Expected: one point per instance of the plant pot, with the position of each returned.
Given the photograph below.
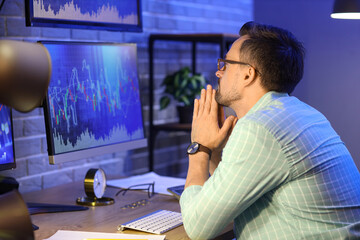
(185, 113)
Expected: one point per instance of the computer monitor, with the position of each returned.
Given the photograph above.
(7, 161)
(93, 103)
(7, 152)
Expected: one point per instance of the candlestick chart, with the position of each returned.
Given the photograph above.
(124, 11)
(6, 140)
(93, 97)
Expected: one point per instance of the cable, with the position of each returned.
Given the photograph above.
(1, 5)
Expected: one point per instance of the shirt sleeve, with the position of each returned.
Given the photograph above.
(252, 164)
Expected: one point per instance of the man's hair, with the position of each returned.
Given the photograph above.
(275, 53)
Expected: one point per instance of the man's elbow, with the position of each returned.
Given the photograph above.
(194, 231)
(195, 235)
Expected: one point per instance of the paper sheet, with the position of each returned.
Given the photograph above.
(78, 235)
(161, 182)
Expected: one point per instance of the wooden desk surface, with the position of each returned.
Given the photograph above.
(101, 218)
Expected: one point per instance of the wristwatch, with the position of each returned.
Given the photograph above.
(195, 147)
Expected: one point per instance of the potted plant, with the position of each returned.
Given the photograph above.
(183, 87)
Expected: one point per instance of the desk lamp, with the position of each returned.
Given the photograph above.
(25, 70)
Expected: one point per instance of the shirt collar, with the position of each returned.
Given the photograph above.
(266, 99)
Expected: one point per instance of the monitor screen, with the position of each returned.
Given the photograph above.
(93, 104)
(7, 153)
(124, 15)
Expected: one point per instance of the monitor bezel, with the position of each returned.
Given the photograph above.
(93, 151)
(8, 166)
(33, 21)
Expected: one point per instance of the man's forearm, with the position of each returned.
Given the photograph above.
(214, 161)
(198, 171)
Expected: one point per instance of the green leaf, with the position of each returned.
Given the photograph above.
(185, 100)
(200, 79)
(183, 83)
(194, 83)
(164, 102)
(177, 81)
(203, 81)
(177, 93)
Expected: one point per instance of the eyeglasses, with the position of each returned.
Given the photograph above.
(221, 64)
(150, 189)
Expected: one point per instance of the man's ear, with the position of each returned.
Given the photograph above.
(250, 76)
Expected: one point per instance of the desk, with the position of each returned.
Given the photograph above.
(102, 218)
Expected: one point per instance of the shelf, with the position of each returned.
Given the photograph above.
(173, 127)
(223, 40)
(204, 38)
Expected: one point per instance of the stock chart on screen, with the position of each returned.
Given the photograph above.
(115, 11)
(93, 97)
(6, 138)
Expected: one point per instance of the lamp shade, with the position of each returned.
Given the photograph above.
(25, 70)
(346, 9)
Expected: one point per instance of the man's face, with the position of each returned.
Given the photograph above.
(229, 85)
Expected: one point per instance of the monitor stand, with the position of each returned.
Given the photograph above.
(36, 208)
(8, 183)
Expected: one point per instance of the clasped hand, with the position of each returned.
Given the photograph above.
(205, 123)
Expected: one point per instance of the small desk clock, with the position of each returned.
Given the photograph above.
(95, 185)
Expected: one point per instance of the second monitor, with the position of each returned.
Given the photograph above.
(93, 103)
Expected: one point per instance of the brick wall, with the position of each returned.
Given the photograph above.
(159, 16)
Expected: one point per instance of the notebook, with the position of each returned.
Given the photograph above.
(176, 191)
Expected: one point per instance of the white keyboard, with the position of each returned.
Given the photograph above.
(156, 222)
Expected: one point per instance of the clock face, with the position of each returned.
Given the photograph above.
(99, 183)
(95, 183)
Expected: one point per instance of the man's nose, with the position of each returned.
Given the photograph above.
(219, 73)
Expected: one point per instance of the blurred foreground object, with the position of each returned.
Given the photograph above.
(15, 223)
(25, 70)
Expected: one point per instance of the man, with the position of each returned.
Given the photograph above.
(278, 170)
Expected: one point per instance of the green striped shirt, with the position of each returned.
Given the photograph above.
(284, 174)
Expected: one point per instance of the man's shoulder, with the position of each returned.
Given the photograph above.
(280, 111)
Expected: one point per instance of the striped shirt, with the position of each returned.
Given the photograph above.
(284, 174)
